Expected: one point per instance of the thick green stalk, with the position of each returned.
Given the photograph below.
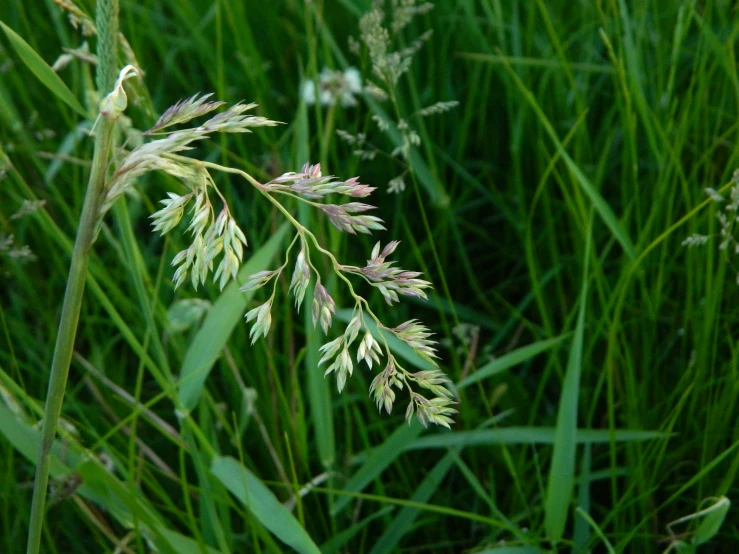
(107, 26)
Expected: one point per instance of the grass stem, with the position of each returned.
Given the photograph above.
(63, 350)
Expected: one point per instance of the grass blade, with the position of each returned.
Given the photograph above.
(713, 520)
(335, 543)
(583, 514)
(261, 502)
(599, 204)
(99, 485)
(380, 458)
(513, 550)
(42, 71)
(406, 518)
(511, 359)
(562, 471)
(528, 435)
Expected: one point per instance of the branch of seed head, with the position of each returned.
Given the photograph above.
(323, 305)
(727, 218)
(262, 313)
(211, 234)
(223, 235)
(390, 281)
(405, 11)
(311, 184)
(389, 66)
(157, 154)
(437, 410)
(415, 335)
(411, 332)
(364, 149)
(326, 306)
(437, 108)
(378, 273)
(393, 374)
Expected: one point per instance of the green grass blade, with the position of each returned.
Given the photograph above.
(599, 204)
(261, 502)
(528, 435)
(584, 515)
(220, 322)
(25, 440)
(319, 392)
(335, 543)
(42, 71)
(513, 550)
(183, 544)
(522, 61)
(562, 471)
(712, 522)
(380, 458)
(404, 521)
(99, 485)
(581, 531)
(511, 359)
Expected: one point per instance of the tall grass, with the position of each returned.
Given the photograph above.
(598, 387)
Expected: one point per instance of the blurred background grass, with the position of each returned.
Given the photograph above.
(568, 112)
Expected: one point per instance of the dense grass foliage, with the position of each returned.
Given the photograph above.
(595, 358)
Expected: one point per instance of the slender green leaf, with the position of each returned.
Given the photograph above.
(335, 543)
(581, 532)
(713, 519)
(512, 550)
(586, 517)
(600, 205)
(562, 470)
(511, 359)
(42, 71)
(527, 435)
(261, 502)
(379, 460)
(521, 61)
(405, 519)
(25, 439)
(182, 544)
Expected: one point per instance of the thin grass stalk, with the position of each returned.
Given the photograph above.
(107, 26)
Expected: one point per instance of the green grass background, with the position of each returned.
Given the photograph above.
(549, 211)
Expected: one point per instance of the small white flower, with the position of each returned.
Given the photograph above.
(333, 87)
(308, 92)
(396, 185)
(353, 80)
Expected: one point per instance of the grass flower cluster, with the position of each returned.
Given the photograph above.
(379, 30)
(215, 235)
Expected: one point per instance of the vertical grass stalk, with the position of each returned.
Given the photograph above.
(107, 27)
